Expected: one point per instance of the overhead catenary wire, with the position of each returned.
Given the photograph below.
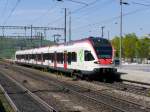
(137, 3)
(111, 19)
(4, 10)
(91, 3)
(11, 12)
(146, 1)
(50, 10)
(106, 3)
(77, 10)
(117, 17)
(73, 12)
(79, 2)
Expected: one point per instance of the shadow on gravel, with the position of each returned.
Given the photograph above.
(1, 107)
(109, 78)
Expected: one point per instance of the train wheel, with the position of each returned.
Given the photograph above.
(75, 75)
(87, 78)
(74, 78)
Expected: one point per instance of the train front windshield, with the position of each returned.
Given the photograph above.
(102, 47)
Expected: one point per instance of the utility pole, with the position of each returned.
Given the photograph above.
(65, 40)
(25, 31)
(79, 2)
(41, 34)
(25, 34)
(54, 39)
(31, 33)
(3, 31)
(31, 37)
(108, 34)
(121, 17)
(121, 32)
(70, 27)
(45, 34)
(102, 31)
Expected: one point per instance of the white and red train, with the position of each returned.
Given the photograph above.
(87, 57)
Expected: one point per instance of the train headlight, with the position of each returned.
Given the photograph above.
(96, 62)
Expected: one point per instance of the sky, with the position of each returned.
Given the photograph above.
(87, 20)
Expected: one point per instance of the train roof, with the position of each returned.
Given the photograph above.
(64, 44)
(81, 40)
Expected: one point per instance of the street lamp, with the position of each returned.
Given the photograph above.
(121, 14)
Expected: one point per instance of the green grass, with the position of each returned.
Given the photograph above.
(4, 104)
(8, 46)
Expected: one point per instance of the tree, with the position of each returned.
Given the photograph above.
(133, 47)
(129, 46)
(116, 43)
(144, 47)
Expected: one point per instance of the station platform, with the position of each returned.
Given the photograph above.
(134, 75)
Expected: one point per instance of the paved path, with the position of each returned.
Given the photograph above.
(135, 75)
(139, 67)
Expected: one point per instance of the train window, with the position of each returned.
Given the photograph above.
(74, 57)
(27, 56)
(46, 56)
(49, 56)
(88, 56)
(22, 56)
(30, 56)
(58, 58)
(52, 57)
(34, 56)
(17, 56)
(69, 58)
(61, 58)
(102, 47)
(42, 57)
(39, 57)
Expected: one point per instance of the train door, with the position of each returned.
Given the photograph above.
(80, 62)
(88, 60)
(42, 59)
(36, 58)
(28, 58)
(65, 60)
(55, 59)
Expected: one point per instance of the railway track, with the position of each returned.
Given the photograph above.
(113, 103)
(139, 90)
(21, 97)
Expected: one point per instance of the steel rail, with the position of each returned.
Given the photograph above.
(63, 86)
(9, 99)
(35, 97)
